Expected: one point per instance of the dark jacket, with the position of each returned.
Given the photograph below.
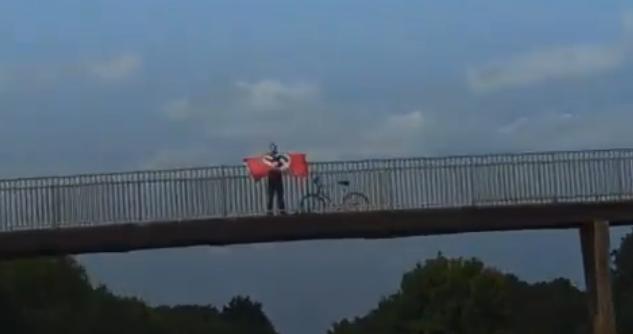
(277, 161)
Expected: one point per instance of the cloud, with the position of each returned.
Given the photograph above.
(536, 123)
(386, 135)
(260, 109)
(4, 80)
(627, 22)
(178, 109)
(563, 130)
(266, 110)
(403, 122)
(177, 158)
(555, 63)
(273, 94)
(116, 68)
(324, 128)
(32, 77)
(244, 104)
(547, 64)
(513, 126)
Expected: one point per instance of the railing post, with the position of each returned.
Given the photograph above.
(224, 188)
(386, 192)
(139, 204)
(620, 170)
(471, 177)
(56, 206)
(393, 184)
(386, 176)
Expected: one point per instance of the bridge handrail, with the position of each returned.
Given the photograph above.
(405, 183)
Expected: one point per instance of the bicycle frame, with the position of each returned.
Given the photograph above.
(322, 190)
(323, 194)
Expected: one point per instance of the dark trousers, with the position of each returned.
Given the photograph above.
(276, 188)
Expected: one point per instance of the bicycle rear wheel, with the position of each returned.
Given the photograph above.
(355, 201)
(313, 204)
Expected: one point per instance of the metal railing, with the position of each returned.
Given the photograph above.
(394, 184)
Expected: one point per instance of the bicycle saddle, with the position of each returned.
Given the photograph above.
(344, 183)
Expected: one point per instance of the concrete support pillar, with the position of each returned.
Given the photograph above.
(594, 239)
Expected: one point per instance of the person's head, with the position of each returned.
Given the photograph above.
(273, 148)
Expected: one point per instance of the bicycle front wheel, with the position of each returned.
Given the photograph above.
(355, 202)
(313, 204)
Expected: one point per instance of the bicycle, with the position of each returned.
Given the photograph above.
(319, 200)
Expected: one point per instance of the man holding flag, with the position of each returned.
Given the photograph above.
(277, 163)
(272, 165)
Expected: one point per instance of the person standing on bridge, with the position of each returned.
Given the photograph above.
(278, 163)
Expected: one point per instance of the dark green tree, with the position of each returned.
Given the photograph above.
(547, 307)
(247, 316)
(445, 296)
(623, 284)
(55, 296)
(463, 296)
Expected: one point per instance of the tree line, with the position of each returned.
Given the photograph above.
(440, 296)
(54, 296)
(463, 296)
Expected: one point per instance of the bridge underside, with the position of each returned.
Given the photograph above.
(365, 225)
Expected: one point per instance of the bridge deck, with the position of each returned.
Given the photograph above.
(365, 225)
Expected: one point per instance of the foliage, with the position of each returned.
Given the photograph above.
(55, 296)
(460, 296)
(623, 284)
(441, 296)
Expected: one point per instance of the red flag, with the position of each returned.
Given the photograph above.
(298, 164)
(257, 167)
(295, 163)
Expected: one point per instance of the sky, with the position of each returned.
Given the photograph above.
(92, 86)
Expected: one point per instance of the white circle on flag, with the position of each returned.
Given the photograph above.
(285, 162)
